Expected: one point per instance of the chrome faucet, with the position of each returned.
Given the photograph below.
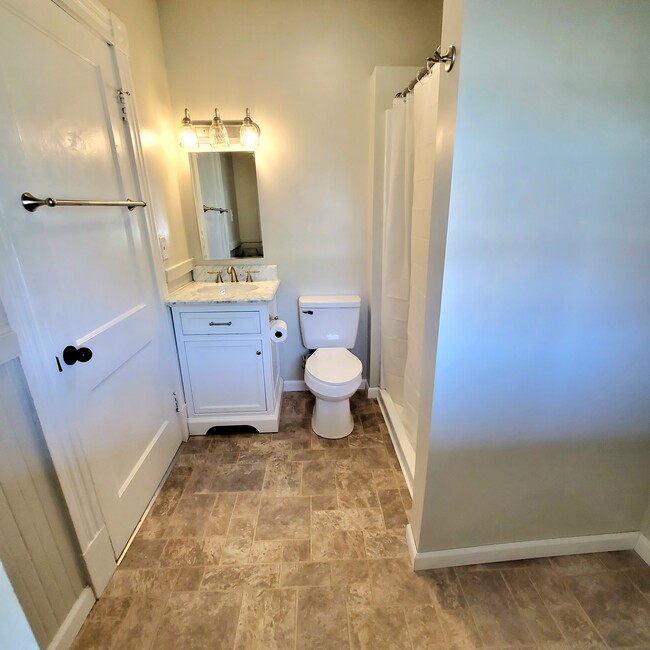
(233, 274)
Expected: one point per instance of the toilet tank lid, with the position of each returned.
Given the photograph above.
(328, 302)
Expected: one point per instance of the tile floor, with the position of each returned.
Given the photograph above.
(289, 541)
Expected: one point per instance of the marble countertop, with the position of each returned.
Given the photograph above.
(202, 293)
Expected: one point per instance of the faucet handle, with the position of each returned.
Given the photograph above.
(249, 275)
(219, 278)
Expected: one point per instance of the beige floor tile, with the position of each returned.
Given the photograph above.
(284, 518)
(143, 553)
(620, 560)
(498, 619)
(282, 479)
(563, 606)
(392, 508)
(348, 519)
(198, 621)
(318, 477)
(570, 565)
(641, 578)
(239, 477)
(180, 552)
(305, 574)
(328, 502)
(355, 487)
(238, 542)
(424, 627)
(139, 627)
(267, 620)
(378, 627)
(322, 620)
(537, 617)
(349, 571)
(236, 577)
(337, 545)
(618, 610)
(265, 552)
(390, 543)
(393, 581)
(326, 506)
(298, 550)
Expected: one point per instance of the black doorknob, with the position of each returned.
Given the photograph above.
(71, 355)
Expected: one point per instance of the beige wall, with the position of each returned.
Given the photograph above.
(157, 122)
(539, 418)
(304, 69)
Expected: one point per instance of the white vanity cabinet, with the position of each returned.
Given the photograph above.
(229, 365)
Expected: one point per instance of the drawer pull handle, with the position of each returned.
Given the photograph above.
(228, 324)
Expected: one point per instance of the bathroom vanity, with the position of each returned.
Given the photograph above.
(229, 364)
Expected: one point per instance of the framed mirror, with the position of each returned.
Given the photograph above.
(227, 204)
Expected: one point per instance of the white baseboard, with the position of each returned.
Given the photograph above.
(373, 393)
(643, 548)
(73, 621)
(518, 550)
(291, 385)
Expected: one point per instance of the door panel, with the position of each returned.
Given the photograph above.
(87, 271)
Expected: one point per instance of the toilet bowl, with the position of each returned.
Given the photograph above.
(333, 375)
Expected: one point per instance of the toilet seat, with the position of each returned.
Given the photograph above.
(333, 372)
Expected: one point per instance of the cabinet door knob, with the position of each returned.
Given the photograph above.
(258, 353)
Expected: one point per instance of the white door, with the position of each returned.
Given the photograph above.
(87, 271)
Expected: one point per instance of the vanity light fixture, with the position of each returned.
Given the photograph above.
(219, 133)
(249, 133)
(187, 135)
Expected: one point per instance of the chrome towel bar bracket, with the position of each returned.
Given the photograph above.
(31, 203)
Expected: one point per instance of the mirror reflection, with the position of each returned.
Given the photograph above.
(227, 205)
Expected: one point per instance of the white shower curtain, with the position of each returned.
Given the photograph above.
(396, 260)
(407, 218)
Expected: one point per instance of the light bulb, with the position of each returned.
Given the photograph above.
(218, 133)
(249, 133)
(187, 133)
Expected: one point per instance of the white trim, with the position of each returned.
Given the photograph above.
(9, 347)
(643, 548)
(401, 443)
(91, 13)
(373, 393)
(73, 621)
(517, 550)
(177, 271)
(291, 385)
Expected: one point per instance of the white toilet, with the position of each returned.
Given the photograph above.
(329, 326)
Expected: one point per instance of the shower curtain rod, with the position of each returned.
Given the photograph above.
(449, 58)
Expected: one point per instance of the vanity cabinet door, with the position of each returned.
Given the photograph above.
(226, 376)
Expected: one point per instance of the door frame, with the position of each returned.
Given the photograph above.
(62, 439)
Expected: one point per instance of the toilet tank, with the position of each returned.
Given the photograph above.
(329, 321)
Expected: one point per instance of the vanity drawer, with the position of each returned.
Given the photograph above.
(220, 322)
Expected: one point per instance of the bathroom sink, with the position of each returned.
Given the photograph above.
(235, 289)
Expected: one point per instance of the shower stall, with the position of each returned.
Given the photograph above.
(409, 162)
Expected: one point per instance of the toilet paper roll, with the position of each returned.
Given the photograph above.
(278, 330)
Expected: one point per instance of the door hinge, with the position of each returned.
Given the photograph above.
(176, 403)
(121, 95)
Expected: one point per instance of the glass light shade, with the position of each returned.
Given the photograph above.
(218, 133)
(249, 133)
(187, 134)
